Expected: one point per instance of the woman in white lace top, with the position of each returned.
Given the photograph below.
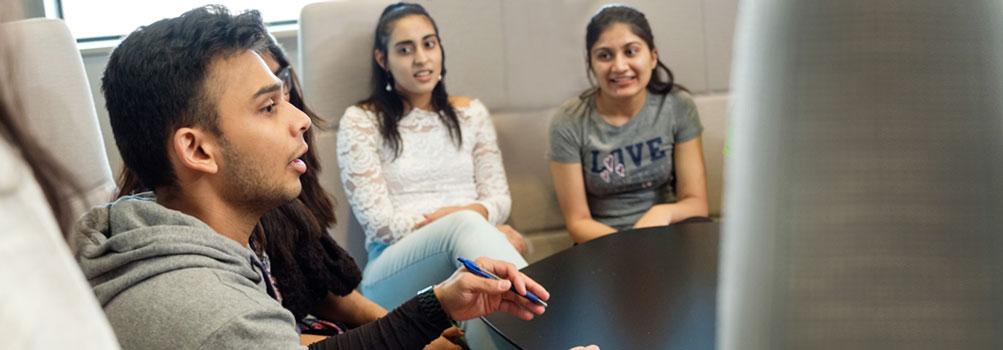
(422, 170)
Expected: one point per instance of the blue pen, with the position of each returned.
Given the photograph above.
(472, 266)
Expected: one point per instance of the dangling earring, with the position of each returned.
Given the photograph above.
(440, 76)
(389, 88)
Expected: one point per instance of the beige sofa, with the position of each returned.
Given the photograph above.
(522, 58)
(57, 106)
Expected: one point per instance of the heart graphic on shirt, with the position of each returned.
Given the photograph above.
(611, 166)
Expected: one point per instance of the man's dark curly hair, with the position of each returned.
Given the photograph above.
(157, 81)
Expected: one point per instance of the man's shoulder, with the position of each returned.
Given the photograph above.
(198, 291)
(196, 285)
(197, 302)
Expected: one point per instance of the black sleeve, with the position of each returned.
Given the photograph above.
(306, 268)
(409, 326)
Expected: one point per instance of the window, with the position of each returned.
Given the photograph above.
(93, 20)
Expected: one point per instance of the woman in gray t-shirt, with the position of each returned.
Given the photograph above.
(626, 154)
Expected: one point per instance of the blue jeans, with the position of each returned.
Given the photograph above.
(427, 256)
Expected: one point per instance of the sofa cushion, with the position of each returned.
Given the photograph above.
(522, 137)
(713, 111)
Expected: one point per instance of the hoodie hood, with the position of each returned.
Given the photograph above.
(133, 239)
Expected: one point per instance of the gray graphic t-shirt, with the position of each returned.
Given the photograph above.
(627, 168)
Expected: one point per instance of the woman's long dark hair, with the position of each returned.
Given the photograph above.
(306, 262)
(661, 82)
(389, 105)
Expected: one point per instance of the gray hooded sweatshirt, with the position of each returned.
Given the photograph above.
(166, 280)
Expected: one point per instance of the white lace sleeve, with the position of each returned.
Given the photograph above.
(489, 173)
(359, 143)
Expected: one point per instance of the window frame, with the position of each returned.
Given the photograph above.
(54, 10)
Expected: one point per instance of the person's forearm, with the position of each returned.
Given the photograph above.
(497, 208)
(406, 327)
(479, 208)
(686, 208)
(583, 230)
(352, 309)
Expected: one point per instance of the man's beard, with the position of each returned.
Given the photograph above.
(246, 186)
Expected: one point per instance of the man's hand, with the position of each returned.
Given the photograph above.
(514, 237)
(465, 295)
(658, 215)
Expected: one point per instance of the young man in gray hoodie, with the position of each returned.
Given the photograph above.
(201, 120)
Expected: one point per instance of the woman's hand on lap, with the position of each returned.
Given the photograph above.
(444, 211)
(514, 237)
(438, 214)
(658, 215)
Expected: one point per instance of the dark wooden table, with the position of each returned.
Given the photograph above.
(654, 288)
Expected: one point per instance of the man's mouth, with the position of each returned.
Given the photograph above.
(297, 163)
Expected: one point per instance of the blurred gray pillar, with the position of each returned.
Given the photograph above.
(865, 182)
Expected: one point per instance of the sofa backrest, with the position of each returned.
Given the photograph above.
(57, 103)
(514, 55)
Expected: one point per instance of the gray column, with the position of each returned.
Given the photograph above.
(865, 178)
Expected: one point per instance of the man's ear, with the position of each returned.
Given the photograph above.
(196, 149)
(380, 58)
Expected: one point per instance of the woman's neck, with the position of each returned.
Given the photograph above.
(619, 111)
(422, 102)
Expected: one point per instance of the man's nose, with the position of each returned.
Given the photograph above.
(301, 122)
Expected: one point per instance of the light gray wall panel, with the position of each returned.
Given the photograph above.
(679, 37)
(336, 56)
(472, 37)
(545, 47)
(719, 24)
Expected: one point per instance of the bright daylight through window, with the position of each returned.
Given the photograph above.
(109, 19)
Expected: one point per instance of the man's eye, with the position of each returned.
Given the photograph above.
(271, 107)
